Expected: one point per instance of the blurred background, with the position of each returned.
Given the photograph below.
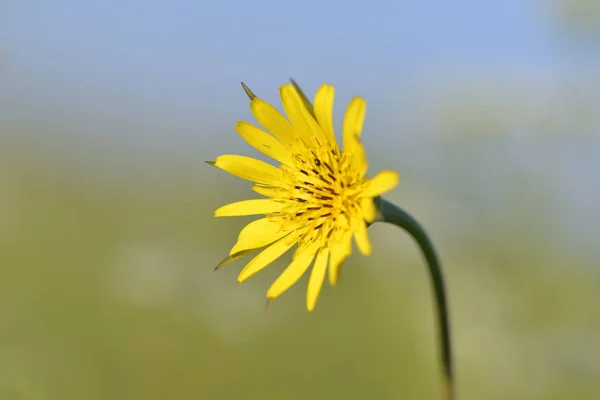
(489, 111)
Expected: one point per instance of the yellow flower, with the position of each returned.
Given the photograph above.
(318, 197)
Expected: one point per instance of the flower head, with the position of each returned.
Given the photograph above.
(318, 197)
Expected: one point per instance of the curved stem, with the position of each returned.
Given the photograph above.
(392, 214)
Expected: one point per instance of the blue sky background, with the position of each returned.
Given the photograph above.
(129, 79)
(185, 59)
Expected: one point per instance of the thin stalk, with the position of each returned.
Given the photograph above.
(393, 214)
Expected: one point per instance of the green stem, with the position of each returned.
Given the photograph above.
(392, 214)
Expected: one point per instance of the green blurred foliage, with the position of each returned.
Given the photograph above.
(107, 291)
(578, 16)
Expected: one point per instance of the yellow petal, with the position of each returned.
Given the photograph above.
(305, 126)
(359, 158)
(248, 207)
(269, 191)
(264, 142)
(292, 104)
(249, 93)
(353, 122)
(339, 252)
(324, 110)
(305, 101)
(250, 169)
(234, 257)
(298, 266)
(272, 120)
(369, 210)
(257, 234)
(362, 238)
(383, 182)
(316, 279)
(264, 258)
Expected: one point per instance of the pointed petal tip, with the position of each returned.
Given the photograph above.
(213, 163)
(224, 261)
(249, 93)
(220, 265)
(233, 256)
(268, 303)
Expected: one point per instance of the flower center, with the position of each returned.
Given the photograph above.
(322, 196)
